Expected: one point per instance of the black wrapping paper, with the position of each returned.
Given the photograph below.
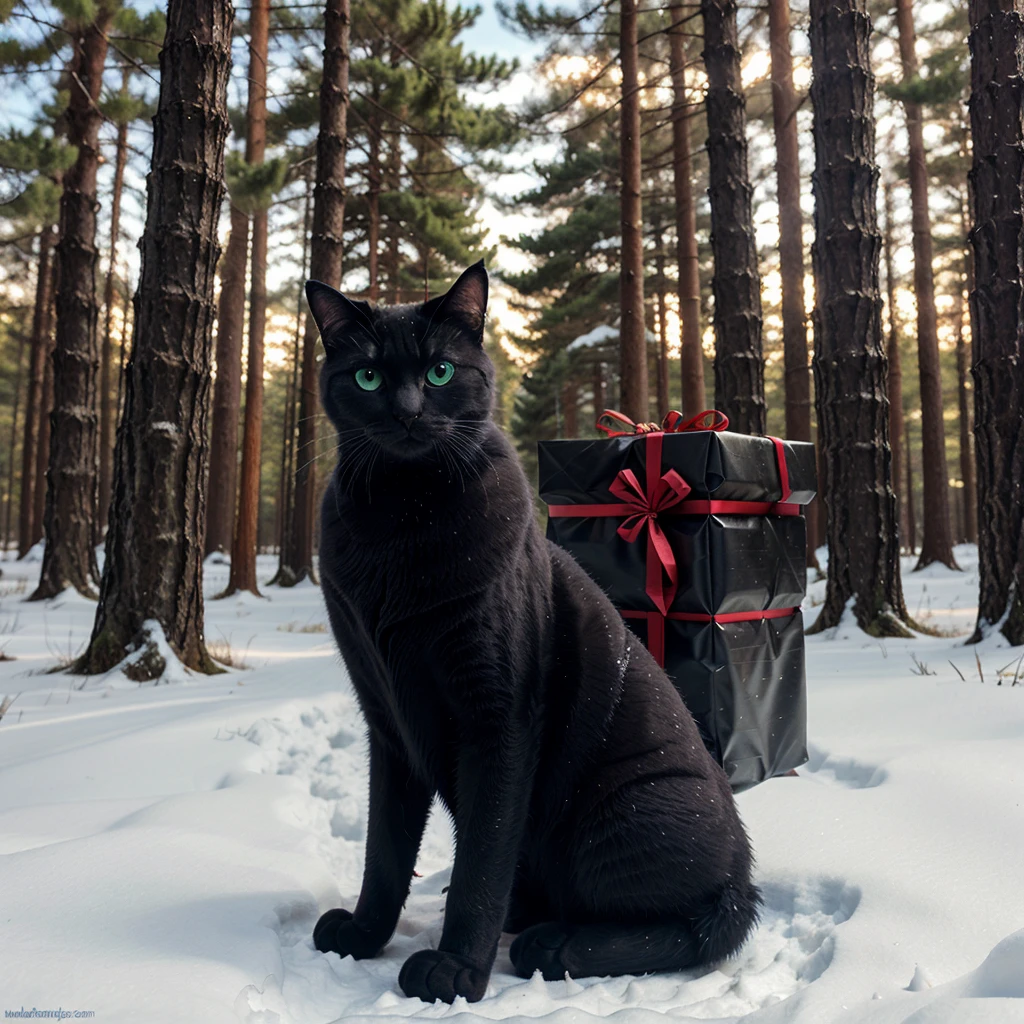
(723, 466)
(742, 681)
(727, 563)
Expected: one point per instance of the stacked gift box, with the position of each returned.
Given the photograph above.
(697, 536)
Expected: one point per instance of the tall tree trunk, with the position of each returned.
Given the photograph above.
(632, 332)
(968, 532)
(997, 130)
(691, 353)
(599, 403)
(393, 255)
(936, 540)
(739, 363)
(107, 410)
(791, 243)
(69, 558)
(661, 284)
(227, 388)
(325, 254)
(15, 410)
(153, 574)
(373, 171)
(895, 372)
(246, 535)
(963, 362)
(908, 453)
(849, 357)
(34, 413)
(45, 412)
(285, 575)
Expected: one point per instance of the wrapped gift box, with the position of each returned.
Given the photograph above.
(697, 536)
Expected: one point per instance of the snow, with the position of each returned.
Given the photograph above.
(599, 335)
(165, 849)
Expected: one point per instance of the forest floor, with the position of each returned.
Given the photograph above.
(165, 850)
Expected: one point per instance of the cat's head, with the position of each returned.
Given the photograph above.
(412, 380)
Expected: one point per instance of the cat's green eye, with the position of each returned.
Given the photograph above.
(368, 380)
(440, 374)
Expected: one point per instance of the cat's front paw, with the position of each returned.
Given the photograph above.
(431, 974)
(337, 932)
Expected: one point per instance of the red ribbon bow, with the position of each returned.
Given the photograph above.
(618, 424)
(642, 510)
(668, 491)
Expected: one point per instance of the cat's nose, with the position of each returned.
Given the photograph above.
(409, 419)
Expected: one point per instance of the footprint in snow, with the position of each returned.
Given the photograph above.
(847, 772)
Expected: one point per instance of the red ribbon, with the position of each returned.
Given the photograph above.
(641, 509)
(656, 623)
(673, 423)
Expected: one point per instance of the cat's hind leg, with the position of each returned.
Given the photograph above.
(674, 944)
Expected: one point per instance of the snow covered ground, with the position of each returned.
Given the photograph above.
(165, 850)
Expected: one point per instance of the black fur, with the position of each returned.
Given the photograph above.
(493, 672)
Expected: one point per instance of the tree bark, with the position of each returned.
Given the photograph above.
(968, 512)
(227, 388)
(245, 540)
(662, 308)
(107, 410)
(895, 372)
(963, 362)
(373, 171)
(69, 558)
(908, 453)
(632, 331)
(936, 540)
(599, 403)
(997, 130)
(393, 255)
(791, 243)
(153, 573)
(15, 410)
(45, 413)
(739, 362)
(325, 254)
(691, 353)
(285, 575)
(849, 357)
(34, 412)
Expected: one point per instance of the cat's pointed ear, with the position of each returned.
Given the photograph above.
(335, 314)
(466, 299)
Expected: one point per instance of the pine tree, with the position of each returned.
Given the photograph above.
(138, 48)
(895, 373)
(739, 363)
(227, 391)
(691, 354)
(152, 574)
(849, 358)
(997, 131)
(69, 558)
(325, 256)
(244, 540)
(936, 541)
(632, 332)
(38, 158)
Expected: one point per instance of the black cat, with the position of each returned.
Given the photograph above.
(494, 672)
